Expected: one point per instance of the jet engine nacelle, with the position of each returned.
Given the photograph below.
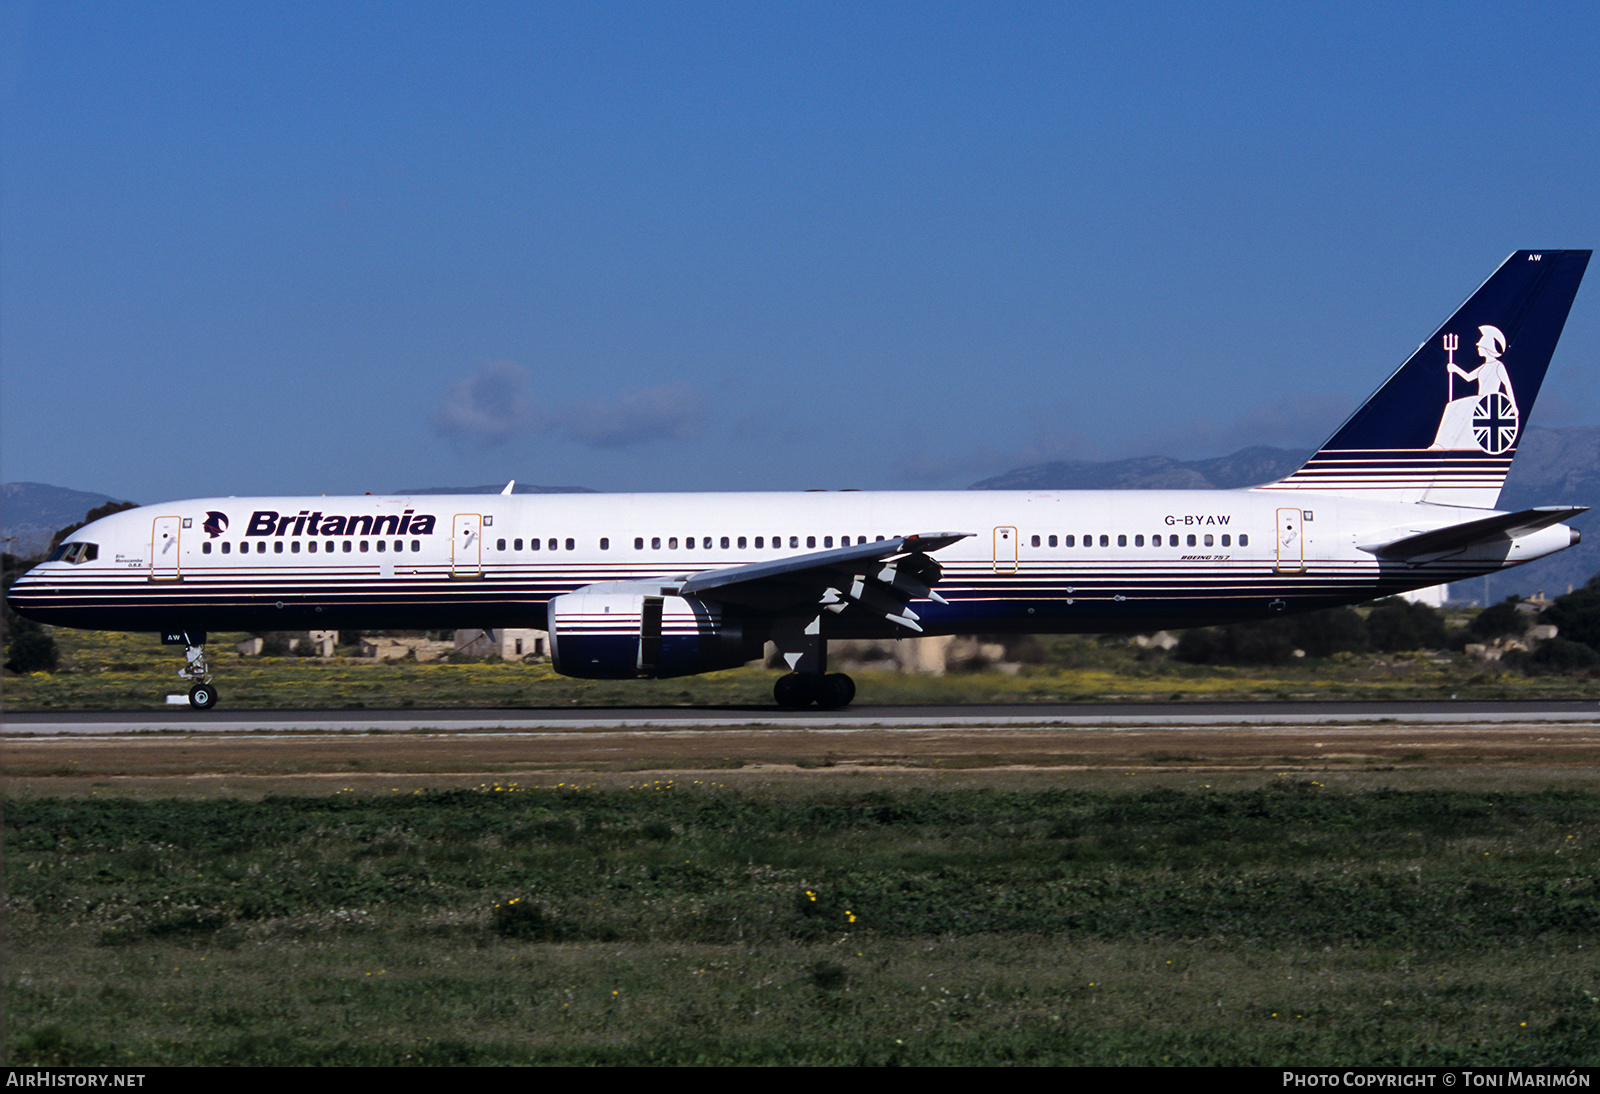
(619, 632)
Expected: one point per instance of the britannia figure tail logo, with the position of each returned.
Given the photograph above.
(1480, 409)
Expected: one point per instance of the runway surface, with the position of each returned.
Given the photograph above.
(1065, 715)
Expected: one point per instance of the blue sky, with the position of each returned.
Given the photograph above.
(314, 248)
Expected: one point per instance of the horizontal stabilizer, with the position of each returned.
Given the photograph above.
(1461, 536)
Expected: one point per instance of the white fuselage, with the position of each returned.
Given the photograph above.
(1043, 561)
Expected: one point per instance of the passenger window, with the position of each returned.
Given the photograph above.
(827, 541)
(1191, 539)
(1208, 539)
(1105, 540)
(347, 547)
(225, 546)
(277, 546)
(294, 548)
(205, 548)
(1122, 541)
(1138, 541)
(758, 543)
(741, 543)
(638, 543)
(811, 541)
(516, 545)
(416, 545)
(1035, 541)
(311, 546)
(553, 544)
(655, 543)
(724, 543)
(605, 544)
(794, 541)
(499, 545)
(1226, 540)
(363, 546)
(1244, 540)
(672, 543)
(381, 548)
(572, 545)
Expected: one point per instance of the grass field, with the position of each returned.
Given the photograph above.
(1251, 918)
(110, 670)
(1431, 910)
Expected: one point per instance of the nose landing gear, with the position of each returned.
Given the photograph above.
(202, 696)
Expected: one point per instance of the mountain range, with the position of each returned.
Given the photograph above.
(30, 513)
(1247, 467)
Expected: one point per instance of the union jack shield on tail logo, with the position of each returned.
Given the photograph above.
(1494, 423)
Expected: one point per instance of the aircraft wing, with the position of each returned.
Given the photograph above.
(880, 578)
(1458, 537)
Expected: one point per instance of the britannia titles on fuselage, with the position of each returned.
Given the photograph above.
(267, 522)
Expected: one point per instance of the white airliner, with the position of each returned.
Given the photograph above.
(639, 585)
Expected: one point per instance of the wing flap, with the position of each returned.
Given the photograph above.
(838, 560)
(880, 578)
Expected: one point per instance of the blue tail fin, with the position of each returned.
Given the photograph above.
(1445, 426)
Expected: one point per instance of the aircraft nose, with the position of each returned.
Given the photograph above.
(11, 597)
(17, 593)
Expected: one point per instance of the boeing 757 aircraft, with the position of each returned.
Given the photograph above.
(638, 585)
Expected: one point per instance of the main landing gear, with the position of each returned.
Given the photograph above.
(830, 690)
(202, 696)
(805, 651)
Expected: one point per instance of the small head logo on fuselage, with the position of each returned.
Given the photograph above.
(215, 524)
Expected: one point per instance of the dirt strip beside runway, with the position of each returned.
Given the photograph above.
(279, 761)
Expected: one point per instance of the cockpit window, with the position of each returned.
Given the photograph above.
(75, 552)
